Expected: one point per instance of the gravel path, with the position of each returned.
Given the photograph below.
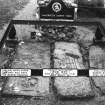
(27, 13)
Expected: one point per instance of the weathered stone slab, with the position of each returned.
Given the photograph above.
(71, 86)
(33, 56)
(100, 83)
(67, 55)
(97, 57)
(97, 60)
(30, 86)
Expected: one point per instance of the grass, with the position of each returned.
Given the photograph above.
(9, 8)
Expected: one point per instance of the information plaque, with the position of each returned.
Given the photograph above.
(57, 9)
